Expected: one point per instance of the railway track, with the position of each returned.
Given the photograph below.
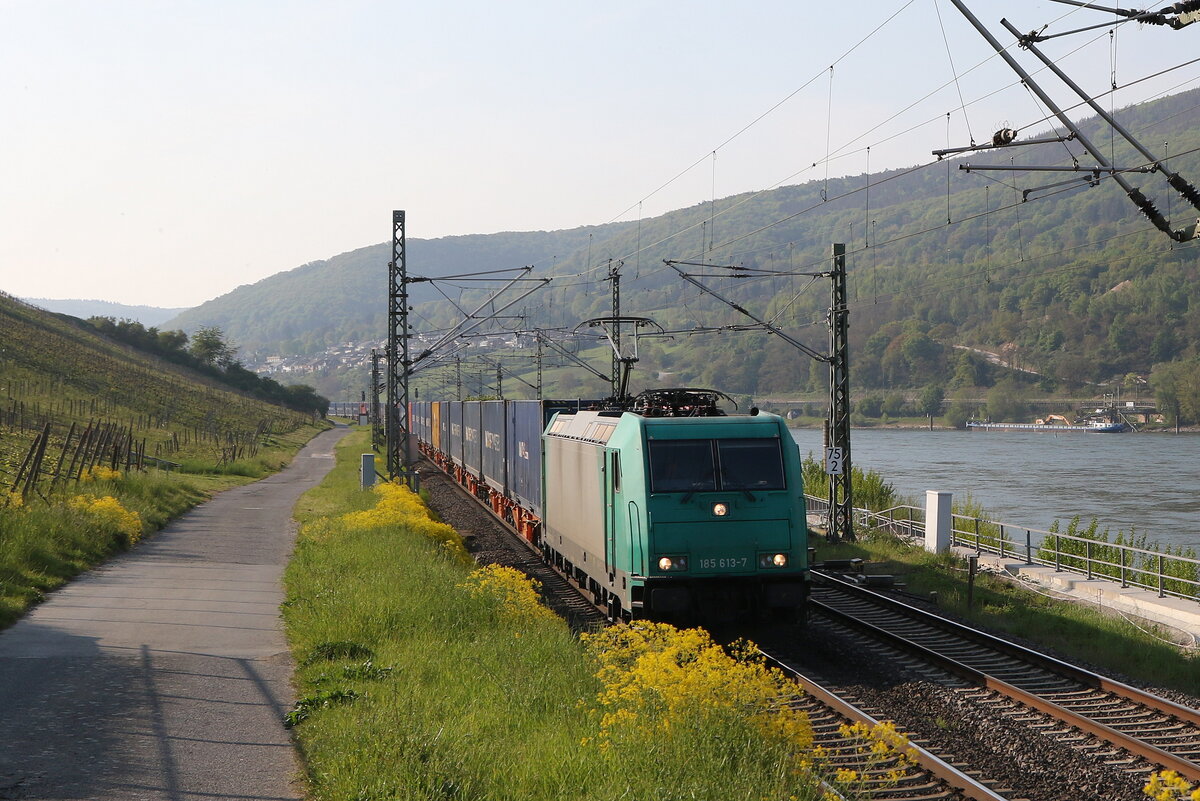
(931, 778)
(491, 541)
(1119, 725)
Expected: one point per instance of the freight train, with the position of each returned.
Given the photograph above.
(670, 510)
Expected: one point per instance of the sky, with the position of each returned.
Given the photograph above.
(165, 152)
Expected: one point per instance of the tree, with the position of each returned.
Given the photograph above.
(958, 414)
(893, 405)
(970, 371)
(870, 405)
(929, 403)
(209, 347)
(1006, 401)
(305, 398)
(1177, 389)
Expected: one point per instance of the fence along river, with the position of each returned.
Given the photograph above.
(1146, 482)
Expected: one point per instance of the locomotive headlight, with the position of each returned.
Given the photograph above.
(769, 560)
(672, 564)
(720, 509)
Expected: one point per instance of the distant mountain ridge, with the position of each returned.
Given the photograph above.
(83, 309)
(344, 299)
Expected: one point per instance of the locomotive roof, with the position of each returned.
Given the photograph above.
(599, 427)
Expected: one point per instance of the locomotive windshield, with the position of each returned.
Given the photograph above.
(704, 465)
(682, 465)
(751, 464)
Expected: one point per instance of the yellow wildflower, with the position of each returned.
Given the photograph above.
(516, 593)
(662, 676)
(1167, 785)
(398, 506)
(108, 513)
(99, 473)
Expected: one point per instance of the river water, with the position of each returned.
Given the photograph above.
(1146, 482)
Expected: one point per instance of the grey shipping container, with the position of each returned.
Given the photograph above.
(455, 422)
(419, 420)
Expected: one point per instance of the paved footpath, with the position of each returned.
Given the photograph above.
(164, 673)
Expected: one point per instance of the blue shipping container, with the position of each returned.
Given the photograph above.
(524, 454)
(472, 438)
(493, 418)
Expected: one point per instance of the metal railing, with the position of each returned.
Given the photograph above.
(1166, 574)
(903, 521)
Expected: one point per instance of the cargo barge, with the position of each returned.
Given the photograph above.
(1086, 426)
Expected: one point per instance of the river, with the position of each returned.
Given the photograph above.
(1147, 482)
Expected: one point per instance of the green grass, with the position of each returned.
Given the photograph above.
(412, 687)
(1075, 631)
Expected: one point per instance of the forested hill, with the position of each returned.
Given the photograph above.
(1073, 282)
(344, 299)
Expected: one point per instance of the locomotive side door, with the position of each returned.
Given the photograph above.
(612, 487)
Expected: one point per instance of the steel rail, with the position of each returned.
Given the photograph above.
(1184, 767)
(960, 783)
(1085, 677)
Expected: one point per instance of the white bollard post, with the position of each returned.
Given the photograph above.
(937, 521)
(367, 471)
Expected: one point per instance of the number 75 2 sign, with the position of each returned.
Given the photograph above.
(835, 461)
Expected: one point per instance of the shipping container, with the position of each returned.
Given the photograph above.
(437, 434)
(495, 471)
(524, 453)
(417, 421)
(453, 415)
(472, 441)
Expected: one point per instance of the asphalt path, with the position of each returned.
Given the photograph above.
(164, 673)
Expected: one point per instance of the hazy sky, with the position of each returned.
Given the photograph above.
(164, 152)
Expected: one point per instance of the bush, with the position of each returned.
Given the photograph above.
(870, 489)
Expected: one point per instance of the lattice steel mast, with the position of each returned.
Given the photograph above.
(841, 504)
(378, 439)
(399, 463)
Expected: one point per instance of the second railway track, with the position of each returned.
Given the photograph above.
(1118, 724)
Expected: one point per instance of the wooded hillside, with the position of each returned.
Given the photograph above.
(1069, 281)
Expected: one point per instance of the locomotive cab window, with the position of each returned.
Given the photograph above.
(682, 465)
(753, 464)
(710, 465)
